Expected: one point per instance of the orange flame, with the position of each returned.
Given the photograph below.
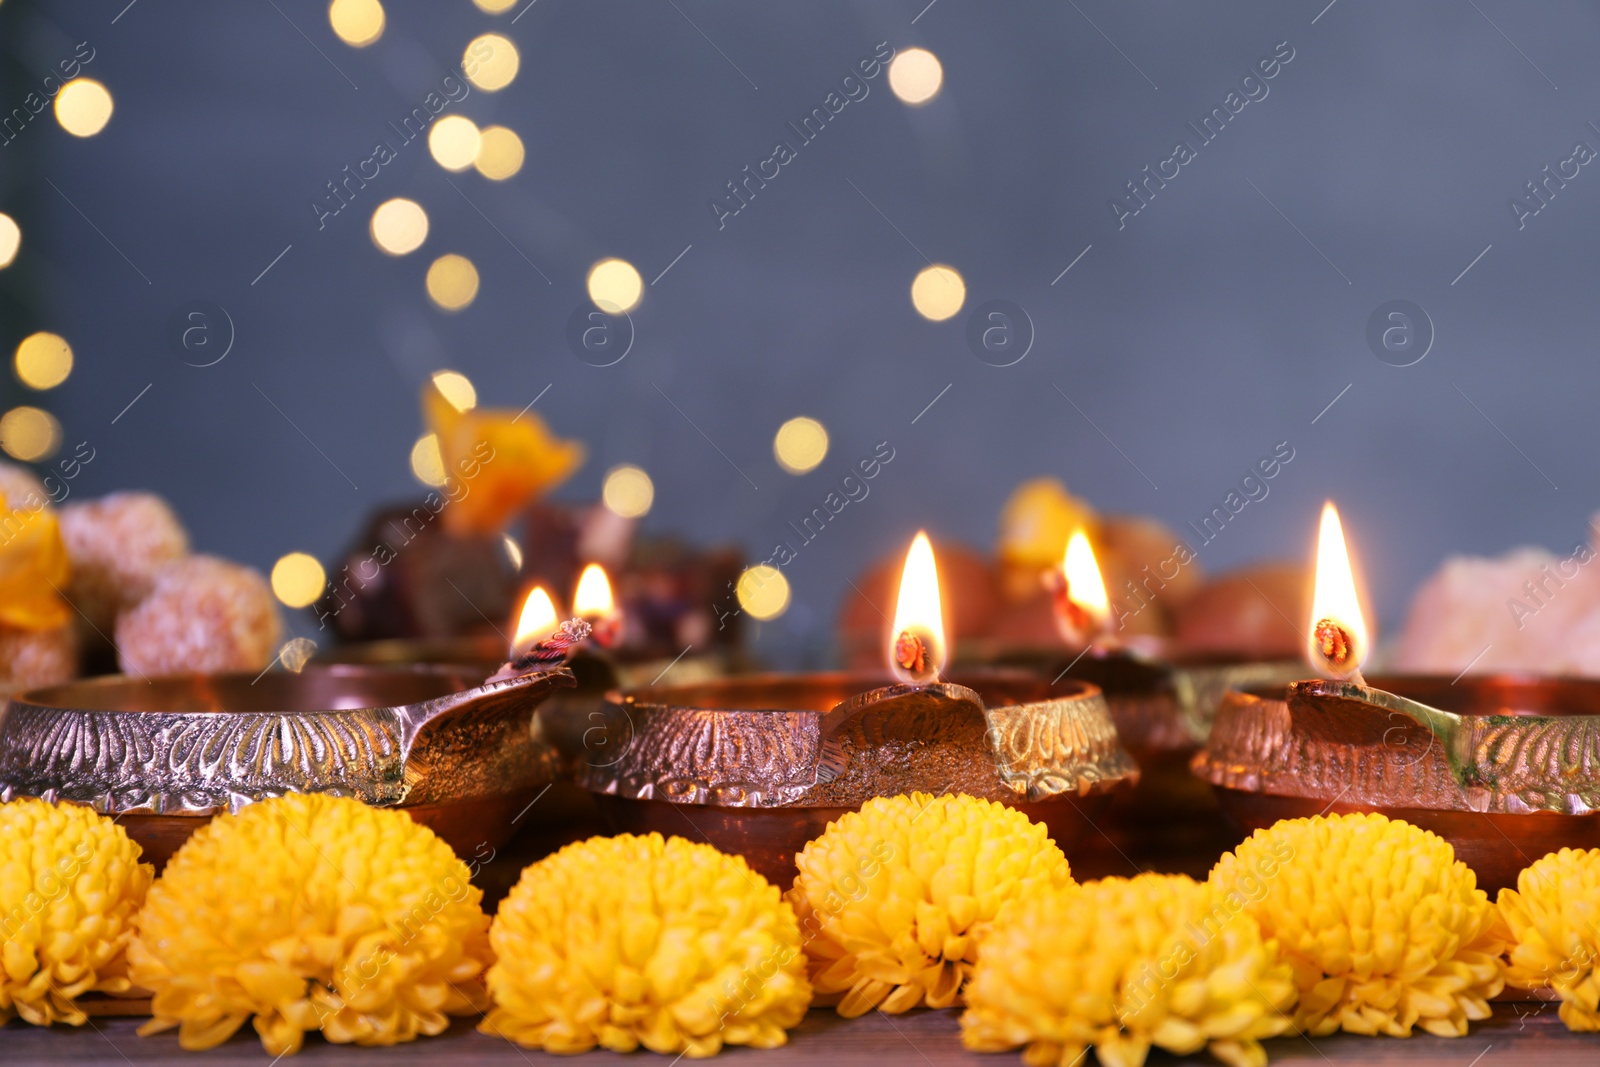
(1085, 587)
(593, 599)
(917, 649)
(537, 621)
(1338, 640)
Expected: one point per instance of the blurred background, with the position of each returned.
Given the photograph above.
(1166, 318)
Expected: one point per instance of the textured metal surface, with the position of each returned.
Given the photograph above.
(197, 745)
(837, 740)
(1486, 744)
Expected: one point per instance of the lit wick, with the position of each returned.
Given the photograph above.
(1338, 643)
(916, 651)
(593, 602)
(540, 640)
(1078, 594)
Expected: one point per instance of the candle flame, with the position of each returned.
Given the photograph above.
(1338, 641)
(537, 621)
(593, 599)
(916, 651)
(1085, 587)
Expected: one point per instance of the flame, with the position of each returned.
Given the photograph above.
(918, 617)
(1338, 639)
(593, 597)
(1085, 587)
(538, 620)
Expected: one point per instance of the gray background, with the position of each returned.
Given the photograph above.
(1195, 338)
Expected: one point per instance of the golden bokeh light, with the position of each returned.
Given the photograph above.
(491, 62)
(495, 7)
(399, 226)
(628, 491)
(500, 153)
(10, 239)
(513, 551)
(43, 360)
(452, 282)
(801, 444)
(357, 22)
(83, 107)
(427, 461)
(615, 286)
(298, 580)
(453, 141)
(29, 434)
(456, 388)
(763, 591)
(915, 76)
(938, 292)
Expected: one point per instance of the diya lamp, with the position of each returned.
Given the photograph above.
(1504, 767)
(759, 764)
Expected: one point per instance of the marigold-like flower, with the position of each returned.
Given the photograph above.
(1125, 964)
(1384, 927)
(311, 912)
(1554, 920)
(894, 899)
(70, 883)
(627, 941)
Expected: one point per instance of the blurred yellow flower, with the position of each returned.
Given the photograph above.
(1554, 920)
(895, 899)
(503, 459)
(627, 941)
(311, 913)
(33, 569)
(1384, 927)
(1036, 521)
(1123, 965)
(70, 883)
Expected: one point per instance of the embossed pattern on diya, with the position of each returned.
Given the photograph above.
(837, 740)
(1484, 744)
(197, 745)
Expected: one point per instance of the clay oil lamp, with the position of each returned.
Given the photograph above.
(759, 764)
(1506, 768)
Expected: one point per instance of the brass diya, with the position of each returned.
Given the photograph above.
(1505, 768)
(164, 755)
(759, 765)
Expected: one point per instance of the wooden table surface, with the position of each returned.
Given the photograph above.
(1518, 1034)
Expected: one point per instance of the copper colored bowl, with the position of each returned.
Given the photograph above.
(1505, 768)
(165, 755)
(759, 765)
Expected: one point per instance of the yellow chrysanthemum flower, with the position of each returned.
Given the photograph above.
(1125, 964)
(70, 884)
(628, 941)
(311, 913)
(1554, 920)
(1384, 927)
(894, 899)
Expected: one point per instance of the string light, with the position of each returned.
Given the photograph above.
(357, 23)
(10, 239)
(452, 282)
(83, 107)
(453, 142)
(938, 292)
(399, 226)
(427, 462)
(800, 444)
(298, 580)
(491, 62)
(456, 388)
(615, 286)
(43, 361)
(29, 434)
(915, 76)
(628, 491)
(763, 591)
(500, 153)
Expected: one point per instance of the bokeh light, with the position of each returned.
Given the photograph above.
(763, 591)
(495, 7)
(452, 282)
(10, 239)
(500, 153)
(938, 292)
(298, 580)
(456, 388)
(357, 22)
(513, 551)
(800, 444)
(29, 434)
(427, 462)
(83, 107)
(399, 226)
(915, 75)
(453, 142)
(615, 286)
(492, 61)
(628, 491)
(43, 360)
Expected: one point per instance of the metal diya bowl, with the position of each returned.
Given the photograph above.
(759, 765)
(164, 755)
(1506, 768)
